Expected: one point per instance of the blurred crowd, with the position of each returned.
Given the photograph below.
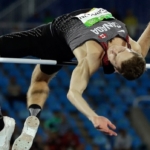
(56, 133)
(129, 19)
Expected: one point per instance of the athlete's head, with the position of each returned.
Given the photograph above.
(126, 62)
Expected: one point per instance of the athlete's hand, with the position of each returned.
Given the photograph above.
(104, 125)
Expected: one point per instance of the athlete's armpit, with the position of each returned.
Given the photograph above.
(135, 46)
(80, 76)
(89, 58)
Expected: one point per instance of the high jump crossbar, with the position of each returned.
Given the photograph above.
(42, 61)
(36, 61)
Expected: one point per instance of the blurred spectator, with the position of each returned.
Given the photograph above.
(46, 147)
(48, 17)
(123, 141)
(143, 147)
(70, 140)
(60, 135)
(115, 14)
(35, 18)
(54, 141)
(101, 141)
(16, 28)
(38, 143)
(53, 123)
(14, 91)
(63, 126)
(57, 123)
(131, 22)
(80, 147)
(2, 99)
(96, 147)
(125, 91)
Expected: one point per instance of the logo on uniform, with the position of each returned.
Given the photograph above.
(106, 27)
(102, 36)
(121, 31)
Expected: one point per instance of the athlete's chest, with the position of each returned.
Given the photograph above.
(117, 41)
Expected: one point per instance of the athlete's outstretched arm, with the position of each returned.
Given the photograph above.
(144, 41)
(89, 60)
(143, 44)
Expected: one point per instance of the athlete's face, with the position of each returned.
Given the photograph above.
(118, 54)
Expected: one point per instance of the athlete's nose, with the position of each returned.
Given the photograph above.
(114, 52)
(119, 50)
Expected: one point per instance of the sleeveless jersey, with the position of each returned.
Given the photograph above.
(58, 39)
(74, 29)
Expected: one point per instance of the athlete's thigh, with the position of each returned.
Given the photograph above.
(44, 73)
(40, 73)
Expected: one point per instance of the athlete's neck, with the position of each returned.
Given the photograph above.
(117, 41)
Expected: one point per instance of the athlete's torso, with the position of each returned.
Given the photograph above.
(77, 27)
(75, 33)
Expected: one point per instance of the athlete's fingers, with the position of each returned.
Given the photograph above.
(98, 127)
(109, 132)
(112, 126)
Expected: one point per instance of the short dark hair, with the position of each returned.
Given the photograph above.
(134, 67)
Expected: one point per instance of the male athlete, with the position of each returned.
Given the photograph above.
(96, 39)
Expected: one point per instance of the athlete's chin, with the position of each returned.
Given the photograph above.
(110, 57)
(110, 51)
